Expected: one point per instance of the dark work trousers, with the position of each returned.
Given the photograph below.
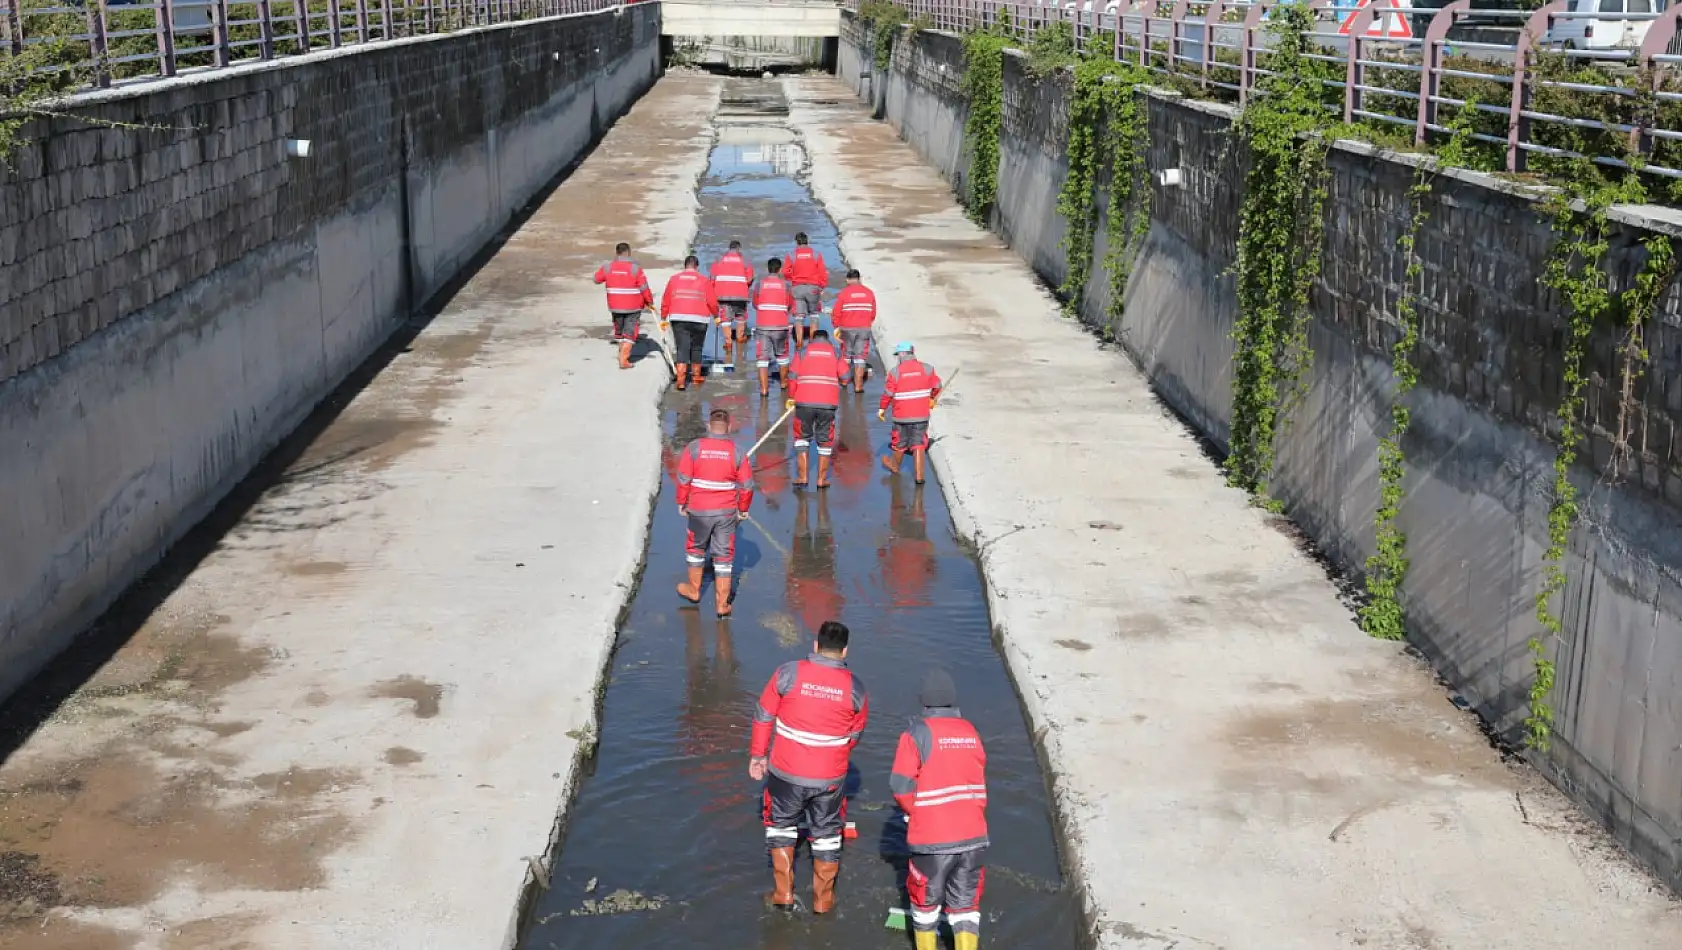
(952, 881)
(825, 811)
(688, 337)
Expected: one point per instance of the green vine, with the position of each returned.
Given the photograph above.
(1281, 223)
(1574, 271)
(1051, 48)
(984, 63)
(1107, 133)
(885, 19)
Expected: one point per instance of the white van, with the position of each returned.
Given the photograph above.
(1581, 32)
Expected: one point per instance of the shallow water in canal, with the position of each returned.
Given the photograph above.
(664, 846)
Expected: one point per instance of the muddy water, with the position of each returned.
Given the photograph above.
(664, 846)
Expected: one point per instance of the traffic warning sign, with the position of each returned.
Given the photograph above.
(1389, 21)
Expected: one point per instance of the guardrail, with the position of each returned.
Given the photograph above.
(97, 42)
(1548, 83)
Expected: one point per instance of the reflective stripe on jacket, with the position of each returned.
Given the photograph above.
(627, 286)
(732, 277)
(940, 780)
(855, 308)
(805, 266)
(713, 475)
(689, 297)
(771, 303)
(911, 388)
(818, 371)
(817, 709)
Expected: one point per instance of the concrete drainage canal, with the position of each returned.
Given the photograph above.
(664, 845)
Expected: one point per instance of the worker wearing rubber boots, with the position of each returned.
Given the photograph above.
(818, 373)
(714, 490)
(853, 316)
(628, 295)
(733, 286)
(772, 301)
(817, 709)
(912, 390)
(940, 781)
(809, 276)
(689, 306)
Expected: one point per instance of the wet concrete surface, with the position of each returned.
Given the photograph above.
(664, 844)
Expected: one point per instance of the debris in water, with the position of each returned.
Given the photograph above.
(784, 626)
(590, 888)
(621, 901)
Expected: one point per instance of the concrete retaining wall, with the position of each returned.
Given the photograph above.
(174, 300)
(1479, 476)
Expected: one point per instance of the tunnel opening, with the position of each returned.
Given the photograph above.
(664, 836)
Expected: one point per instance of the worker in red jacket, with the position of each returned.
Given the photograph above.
(912, 388)
(733, 286)
(689, 306)
(806, 271)
(628, 295)
(818, 372)
(714, 490)
(940, 780)
(817, 709)
(853, 315)
(773, 299)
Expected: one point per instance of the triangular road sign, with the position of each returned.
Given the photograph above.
(1387, 22)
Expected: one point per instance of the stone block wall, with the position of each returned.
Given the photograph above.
(1479, 452)
(177, 293)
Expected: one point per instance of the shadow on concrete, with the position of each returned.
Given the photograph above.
(24, 712)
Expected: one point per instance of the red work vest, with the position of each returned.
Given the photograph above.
(732, 277)
(817, 709)
(948, 805)
(805, 266)
(713, 475)
(626, 286)
(910, 388)
(855, 308)
(689, 296)
(817, 376)
(771, 303)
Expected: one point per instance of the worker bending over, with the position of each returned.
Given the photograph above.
(772, 301)
(809, 275)
(818, 373)
(817, 710)
(912, 388)
(714, 490)
(628, 295)
(689, 305)
(940, 781)
(853, 316)
(732, 285)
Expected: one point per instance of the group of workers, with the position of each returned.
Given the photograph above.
(813, 711)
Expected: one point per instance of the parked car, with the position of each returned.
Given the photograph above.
(1610, 33)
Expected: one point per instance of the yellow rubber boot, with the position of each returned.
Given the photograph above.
(926, 940)
(965, 941)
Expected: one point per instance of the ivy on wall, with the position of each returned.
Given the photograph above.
(984, 63)
(1281, 223)
(1107, 137)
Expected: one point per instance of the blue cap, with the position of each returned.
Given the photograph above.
(902, 347)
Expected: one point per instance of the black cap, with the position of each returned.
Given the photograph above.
(938, 690)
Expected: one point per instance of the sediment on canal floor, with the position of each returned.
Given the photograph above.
(664, 836)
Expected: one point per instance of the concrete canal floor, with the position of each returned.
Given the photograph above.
(347, 714)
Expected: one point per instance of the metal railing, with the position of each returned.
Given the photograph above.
(1551, 82)
(97, 42)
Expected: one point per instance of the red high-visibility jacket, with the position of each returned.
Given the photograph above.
(911, 388)
(855, 308)
(627, 286)
(940, 779)
(732, 277)
(713, 475)
(817, 708)
(689, 297)
(805, 266)
(818, 371)
(771, 303)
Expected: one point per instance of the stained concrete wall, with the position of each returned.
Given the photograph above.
(1479, 459)
(752, 53)
(174, 300)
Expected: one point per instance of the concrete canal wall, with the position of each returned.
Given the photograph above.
(1479, 458)
(174, 299)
